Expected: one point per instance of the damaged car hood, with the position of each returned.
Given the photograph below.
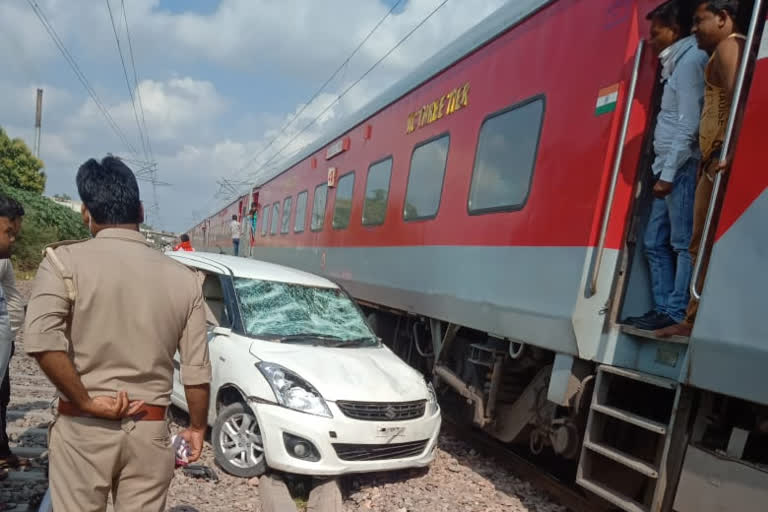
(362, 374)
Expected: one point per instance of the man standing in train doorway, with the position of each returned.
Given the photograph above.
(234, 228)
(253, 218)
(716, 29)
(668, 233)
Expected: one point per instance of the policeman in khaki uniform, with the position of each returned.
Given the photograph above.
(104, 320)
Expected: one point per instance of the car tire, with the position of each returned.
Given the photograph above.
(237, 442)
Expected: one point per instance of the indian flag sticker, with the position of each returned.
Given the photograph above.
(607, 99)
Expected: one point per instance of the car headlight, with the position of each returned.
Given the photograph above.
(292, 391)
(432, 405)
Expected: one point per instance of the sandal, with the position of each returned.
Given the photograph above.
(14, 462)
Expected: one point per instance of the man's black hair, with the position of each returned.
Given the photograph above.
(739, 10)
(673, 14)
(184, 237)
(234, 217)
(109, 191)
(8, 207)
(716, 6)
(18, 207)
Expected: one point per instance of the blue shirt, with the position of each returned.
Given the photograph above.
(677, 126)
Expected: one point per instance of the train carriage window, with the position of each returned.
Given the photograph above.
(301, 212)
(377, 192)
(425, 181)
(318, 207)
(275, 218)
(506, 154)
(286, 222)
(342, 209)
(265, 221)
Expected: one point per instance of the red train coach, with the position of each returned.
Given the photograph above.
(214, 232)
(488, 212)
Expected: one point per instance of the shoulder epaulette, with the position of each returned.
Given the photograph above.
(66, 275)
(62, 243)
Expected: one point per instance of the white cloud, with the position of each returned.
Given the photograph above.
(175, 109)
(190, 62)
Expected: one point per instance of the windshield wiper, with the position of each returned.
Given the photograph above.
(307, 337)
(353, 343)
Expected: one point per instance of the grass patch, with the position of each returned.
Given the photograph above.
(25, 275)
(45, 222)
(301, 504)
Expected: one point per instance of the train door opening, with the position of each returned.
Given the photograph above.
(651, 237)
(645, 459)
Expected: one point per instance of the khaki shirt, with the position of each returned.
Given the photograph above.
(134, 307)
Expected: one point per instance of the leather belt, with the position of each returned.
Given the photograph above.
(146, 413)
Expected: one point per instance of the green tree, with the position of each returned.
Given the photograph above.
(45, 222)
(19, 168)
(62, 197)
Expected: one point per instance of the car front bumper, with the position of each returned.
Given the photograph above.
(356, 439)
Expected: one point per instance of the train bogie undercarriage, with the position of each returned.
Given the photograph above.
(499, 385)
(635, 440)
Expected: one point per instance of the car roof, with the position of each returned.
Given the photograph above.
(251, 269)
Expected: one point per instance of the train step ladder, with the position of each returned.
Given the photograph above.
(602, 464)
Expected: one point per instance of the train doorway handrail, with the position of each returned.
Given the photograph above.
(616, 167)
(729, 129)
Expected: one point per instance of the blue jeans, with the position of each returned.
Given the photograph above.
(667, 238)
(235, 246)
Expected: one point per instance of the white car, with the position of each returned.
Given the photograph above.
(300, 382)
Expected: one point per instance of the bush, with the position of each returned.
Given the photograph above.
(45, 222)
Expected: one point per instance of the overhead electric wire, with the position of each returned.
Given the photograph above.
(360, 79)
(136, 81)
(127, 80)
(80, 75)
(225, 183)
(155, 209)
(319, 90)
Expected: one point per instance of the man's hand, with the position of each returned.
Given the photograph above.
(194, 437)
(662, 189)
(723, 166)
(112, 408)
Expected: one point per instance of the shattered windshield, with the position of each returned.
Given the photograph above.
(295, 313)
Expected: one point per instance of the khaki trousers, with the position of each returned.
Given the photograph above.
(90, 457)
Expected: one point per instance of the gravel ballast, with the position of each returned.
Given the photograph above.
(459, 479)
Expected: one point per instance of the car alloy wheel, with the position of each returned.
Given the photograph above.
(237, 442)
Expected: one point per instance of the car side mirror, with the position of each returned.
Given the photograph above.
(221, 331)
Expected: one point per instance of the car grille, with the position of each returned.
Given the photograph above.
(383, 411)
(367, 452)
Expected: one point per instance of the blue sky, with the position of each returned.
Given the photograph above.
(218, 79)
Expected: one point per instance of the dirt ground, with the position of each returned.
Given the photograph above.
(458, 480)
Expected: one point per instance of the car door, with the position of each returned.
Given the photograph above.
(219, 315)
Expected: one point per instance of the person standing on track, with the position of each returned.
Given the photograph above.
(15, 306)
(234, 228)
(104, 320)
(9, 210)
(185, 244)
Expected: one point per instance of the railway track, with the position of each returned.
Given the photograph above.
(28, 417)
(567, 494)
